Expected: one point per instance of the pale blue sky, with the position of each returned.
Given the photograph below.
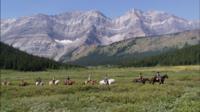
(188, 9)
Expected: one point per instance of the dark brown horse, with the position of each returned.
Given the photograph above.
(69, 82)
(143, 80)
(160, 81)
(92, 82)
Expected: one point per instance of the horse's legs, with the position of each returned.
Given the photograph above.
(153, 81)
(160, 81)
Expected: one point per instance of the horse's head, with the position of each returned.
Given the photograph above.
(110, 81)
(165, 76)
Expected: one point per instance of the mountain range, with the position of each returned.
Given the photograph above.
(137, 48)
(72, 35)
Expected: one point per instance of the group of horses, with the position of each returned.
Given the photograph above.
(152, 80)
(66, 82)
(57, 82)
(71, 82)
(92, 82)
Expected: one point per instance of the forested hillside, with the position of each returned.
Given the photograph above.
(11, 58)
(188, 55)
(133, 49)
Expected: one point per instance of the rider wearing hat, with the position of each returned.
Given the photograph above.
(106, 80)
(141, 76)
(158, 77)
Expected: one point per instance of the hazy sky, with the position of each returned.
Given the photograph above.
(188, 9)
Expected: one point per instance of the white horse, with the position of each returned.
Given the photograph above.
(56, 82)
(51, 82)
(37, 83)
(110, 81)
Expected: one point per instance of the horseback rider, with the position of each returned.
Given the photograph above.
(68, 78)
(38, 80)
(53, 80)
(140, 76)
(106, 80)
(89, 78)
(158, 77)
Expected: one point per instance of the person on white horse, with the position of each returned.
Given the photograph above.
(53, 80)
(106, 80)
(38, 81)
(89, 78)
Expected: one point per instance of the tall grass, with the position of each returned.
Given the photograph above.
(181, 93)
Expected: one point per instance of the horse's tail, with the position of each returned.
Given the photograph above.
(134, 80)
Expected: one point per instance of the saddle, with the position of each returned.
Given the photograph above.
(157, 78)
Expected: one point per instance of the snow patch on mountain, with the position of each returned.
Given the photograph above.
(64, 41)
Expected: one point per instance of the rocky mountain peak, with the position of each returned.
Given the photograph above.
(57, 35)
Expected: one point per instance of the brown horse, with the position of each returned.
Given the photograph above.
(92, 82)
(143, 80)
(23, 83)
(160, 81)
(69, 82)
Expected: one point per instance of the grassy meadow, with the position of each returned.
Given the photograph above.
(180, 93)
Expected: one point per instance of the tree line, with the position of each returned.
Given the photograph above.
(188, 55)
(12, 58)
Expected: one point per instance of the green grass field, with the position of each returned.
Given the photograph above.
(180, 93)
